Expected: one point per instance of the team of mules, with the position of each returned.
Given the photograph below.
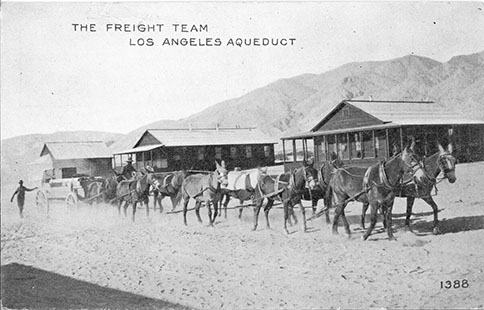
(404, 175)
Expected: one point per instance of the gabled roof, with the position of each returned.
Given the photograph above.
(403, 113)
(76, 150)
(211, 136)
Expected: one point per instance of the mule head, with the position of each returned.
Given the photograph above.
(412, 164)
(310, 176)
(447, 163)
(222, 174)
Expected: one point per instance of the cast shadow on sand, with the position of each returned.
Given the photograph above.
(26, 287)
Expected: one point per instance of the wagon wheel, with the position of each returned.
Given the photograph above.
(41, 201)
(71, 200)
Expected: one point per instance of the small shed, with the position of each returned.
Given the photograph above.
(362, 132)
(176, 149)
(60, 160)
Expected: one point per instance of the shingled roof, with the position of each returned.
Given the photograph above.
(76, 150)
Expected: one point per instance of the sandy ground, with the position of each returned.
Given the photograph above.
(231, 267)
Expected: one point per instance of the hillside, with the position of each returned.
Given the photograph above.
(293, 105)
(18, 152)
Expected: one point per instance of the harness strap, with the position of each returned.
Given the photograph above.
(383, 177)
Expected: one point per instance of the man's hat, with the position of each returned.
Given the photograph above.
(129, 160)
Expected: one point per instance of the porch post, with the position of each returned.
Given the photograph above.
(374, 144)
(336, 146)
(387, 151)
(348, 144)
(294, 155)
(401, 139)
(284, 151)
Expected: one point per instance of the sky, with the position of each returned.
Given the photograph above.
(55, 77)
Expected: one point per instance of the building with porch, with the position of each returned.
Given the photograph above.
(61, 160)
(197, 149)
(362, 132)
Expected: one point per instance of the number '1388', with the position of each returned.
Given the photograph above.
(454, 284)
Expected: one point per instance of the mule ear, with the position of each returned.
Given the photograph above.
(441, 149)
(223, 163)
(450, 148)
(217, 164)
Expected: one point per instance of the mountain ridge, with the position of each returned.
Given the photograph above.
(291, 105)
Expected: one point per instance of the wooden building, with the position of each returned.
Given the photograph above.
(197, 149)
(362, 132)
(61, 160)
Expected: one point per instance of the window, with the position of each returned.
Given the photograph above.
(332, 147)
(218, 152)
(201, 153)
(355, 145)
(322, 149)
(233, 152)
(248, 151)
(267, 151)
(368, 147)
(346, 112)
(343, 150)
(161, 163)
(68, 172)
(299, 150)
(309, 149)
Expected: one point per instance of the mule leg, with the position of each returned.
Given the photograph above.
(435, 208)
(125, 207)
(241, 208)
(209, 208)
(226, 202)
(216, 205)
(120, 202)
(314, 205)
(286, 215)
(388, 216)
(256, 214)
(373, 219)
(267, 208)
(160, 205)
(337, 213)
(134, 208)
(198, 204)
(345, 223)
(383, 212)
(185, 209)
(326, 214)
(155, 198)
(303, 211)
(363, 215)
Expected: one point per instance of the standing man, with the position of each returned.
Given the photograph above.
(21, 196)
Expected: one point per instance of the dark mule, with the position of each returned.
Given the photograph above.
(441, 161)
(287, 188)
(167, 184)
(108, 189)
(375, 188)
(134, 191)
(320, 190)
(92, 190)
(204, 188)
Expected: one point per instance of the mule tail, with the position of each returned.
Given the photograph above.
(177, 199)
